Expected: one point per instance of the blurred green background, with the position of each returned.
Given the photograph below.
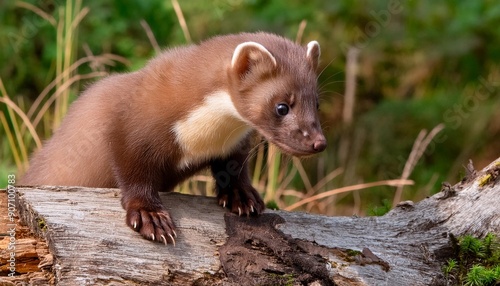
(419, 64)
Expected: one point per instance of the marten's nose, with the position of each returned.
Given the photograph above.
(320, 144)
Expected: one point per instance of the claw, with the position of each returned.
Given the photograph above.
(153, 236)
(164, 239)
(251, 209)
(175, 234)
(239, 211)
(223, 204)
(135, 224)
(171, 237)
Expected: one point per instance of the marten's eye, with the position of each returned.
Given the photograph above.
(282, 109)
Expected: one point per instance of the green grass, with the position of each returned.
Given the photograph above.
(476, 261)
(75, 41)
(380, 210)
(5, 171)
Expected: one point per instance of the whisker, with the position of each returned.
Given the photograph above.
(333, 75)
(251, 154)
(331, 91)
(325, 68)
(229, 135)
(330, 83)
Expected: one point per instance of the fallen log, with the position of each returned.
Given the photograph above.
(91, 245)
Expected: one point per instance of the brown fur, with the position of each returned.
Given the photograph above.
(135, 131)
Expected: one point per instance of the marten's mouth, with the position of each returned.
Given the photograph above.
(300, 151)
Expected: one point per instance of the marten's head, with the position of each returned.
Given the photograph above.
(274, 88)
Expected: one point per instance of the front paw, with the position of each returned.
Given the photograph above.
(153, 225)
(241, 201)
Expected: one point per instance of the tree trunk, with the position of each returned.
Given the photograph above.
(91, 245)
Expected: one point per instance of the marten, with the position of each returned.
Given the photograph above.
(188, 109)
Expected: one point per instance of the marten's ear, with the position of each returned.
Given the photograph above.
(249, 56)
(313, 53)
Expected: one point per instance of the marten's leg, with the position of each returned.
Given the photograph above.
(233, 186)
(145, 211)
(140, 177)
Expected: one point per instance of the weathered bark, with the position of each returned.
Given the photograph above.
(91, 244)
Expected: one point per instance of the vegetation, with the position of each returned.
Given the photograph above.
(477, 262)
(390, 69)
(380, 210)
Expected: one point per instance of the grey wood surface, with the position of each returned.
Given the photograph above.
(87, 235)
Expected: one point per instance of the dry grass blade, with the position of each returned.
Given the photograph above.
(151, 36)
(12, 143)
(60, 91)
(59, 62)
(259, 161)
(182, 21)
(303, 174)
(325, 180)
(274, 163)
(98, 63)
(21, 114)
(350, 85)
(37, 11)
(349, 189)
(102, 58)
(281, 189)
(300, 32)
(11, 106)
(25, 119)
(202, 178)
(292, 193)
(286, 181)
(79, 17)
(349, 146)
(417, 151)
(69, 40)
